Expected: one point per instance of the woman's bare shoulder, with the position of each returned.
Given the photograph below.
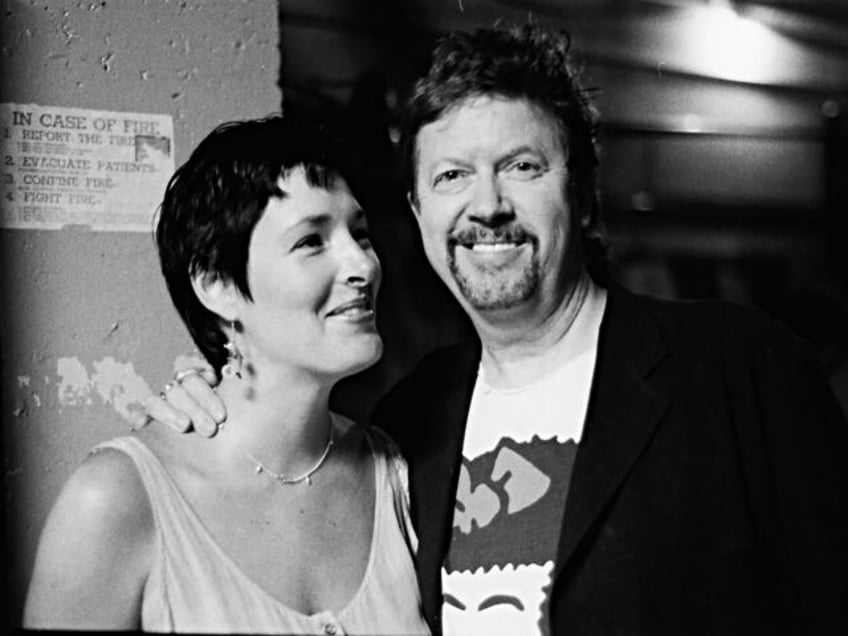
(95, 550)
(107, 488)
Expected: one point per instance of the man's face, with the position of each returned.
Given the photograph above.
(491, 204)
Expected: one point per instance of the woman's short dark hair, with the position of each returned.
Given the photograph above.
(214, 201)
(522, 62)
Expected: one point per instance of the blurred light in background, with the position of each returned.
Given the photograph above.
(720, 43)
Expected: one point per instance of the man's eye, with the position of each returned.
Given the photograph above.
(448, 176)
(524, 169)
(309, 241)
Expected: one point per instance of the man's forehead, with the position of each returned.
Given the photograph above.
(521, 121)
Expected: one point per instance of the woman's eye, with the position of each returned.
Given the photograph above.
(362, 236)
(309, 241)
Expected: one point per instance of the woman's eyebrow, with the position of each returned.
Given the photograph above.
(312, 220)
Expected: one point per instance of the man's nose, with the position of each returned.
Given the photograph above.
(489, 204)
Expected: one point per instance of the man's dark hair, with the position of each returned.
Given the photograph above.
(524, 62)
(214, 201)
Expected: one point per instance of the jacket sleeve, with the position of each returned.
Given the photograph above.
(799, 479)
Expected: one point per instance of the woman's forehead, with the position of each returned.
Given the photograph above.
(302, 200)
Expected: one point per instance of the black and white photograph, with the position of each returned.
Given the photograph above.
(424, 317)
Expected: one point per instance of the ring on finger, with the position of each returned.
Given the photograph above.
(182, 375)
(168, 386)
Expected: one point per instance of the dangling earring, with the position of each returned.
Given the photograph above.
(234, 357)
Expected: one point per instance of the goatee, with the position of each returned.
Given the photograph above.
(495, 288)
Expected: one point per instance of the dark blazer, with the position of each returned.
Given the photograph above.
(709, 492)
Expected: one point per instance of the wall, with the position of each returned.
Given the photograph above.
(86, 327)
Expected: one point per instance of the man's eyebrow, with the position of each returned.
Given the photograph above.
(512, 153)
(451, 160)
(501, 599)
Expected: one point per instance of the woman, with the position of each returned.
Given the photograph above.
(291, 519)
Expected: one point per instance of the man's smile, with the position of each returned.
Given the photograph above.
(495, 248)
(492, 247)
(484, 242)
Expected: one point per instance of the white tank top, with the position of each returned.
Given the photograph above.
(194, 586)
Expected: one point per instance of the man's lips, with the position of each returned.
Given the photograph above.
(492, 247)
(490, 241)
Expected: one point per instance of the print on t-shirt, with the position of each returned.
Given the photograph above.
(507, 520)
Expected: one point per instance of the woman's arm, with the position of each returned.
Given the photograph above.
(95, 551)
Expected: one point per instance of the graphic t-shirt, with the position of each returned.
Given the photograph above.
(517, 457)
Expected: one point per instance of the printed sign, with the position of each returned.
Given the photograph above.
(70, 166)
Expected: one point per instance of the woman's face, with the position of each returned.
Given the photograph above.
(314, 277)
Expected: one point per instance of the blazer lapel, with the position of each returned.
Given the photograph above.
(434, 469)
(623, 412)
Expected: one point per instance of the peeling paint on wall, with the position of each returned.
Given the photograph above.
(115, 383)
(74, 388)
(79, 305)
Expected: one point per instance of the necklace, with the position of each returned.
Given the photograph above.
(307, 476)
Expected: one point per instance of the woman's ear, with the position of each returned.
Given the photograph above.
(413, 203)
(216, 294)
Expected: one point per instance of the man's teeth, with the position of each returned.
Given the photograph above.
(492, 247)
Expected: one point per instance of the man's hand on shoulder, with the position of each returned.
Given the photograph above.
(186, 403)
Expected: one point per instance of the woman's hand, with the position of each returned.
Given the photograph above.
(186, 403)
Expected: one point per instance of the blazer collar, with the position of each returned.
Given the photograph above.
(624, 410)
(434, 468)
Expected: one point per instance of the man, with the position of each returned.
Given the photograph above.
(595, 462)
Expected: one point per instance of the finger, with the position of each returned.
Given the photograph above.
(158, 410)
(204, 371)
(178, 399)
(200, 389)
(208, 374)
(138, 418)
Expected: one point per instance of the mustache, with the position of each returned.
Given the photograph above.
(512, 233)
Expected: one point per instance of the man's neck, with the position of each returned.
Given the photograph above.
(520, 351)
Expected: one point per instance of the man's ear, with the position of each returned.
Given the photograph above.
(216, 294)
(580, 202)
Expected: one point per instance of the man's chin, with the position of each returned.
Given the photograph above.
(493, 296)
(494, 305)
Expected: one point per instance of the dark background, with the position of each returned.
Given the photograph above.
(724, 162)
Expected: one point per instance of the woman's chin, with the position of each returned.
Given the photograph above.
(359, 358)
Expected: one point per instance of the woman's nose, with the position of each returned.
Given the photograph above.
(361, 267)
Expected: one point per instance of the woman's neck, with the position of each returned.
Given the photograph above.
(283, 423)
